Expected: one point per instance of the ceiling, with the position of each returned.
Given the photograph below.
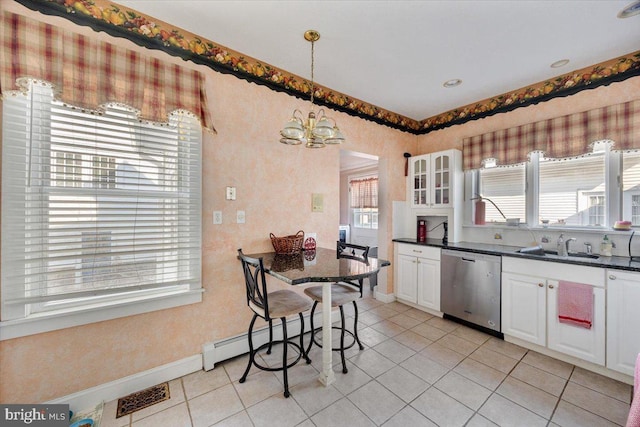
(398, 54)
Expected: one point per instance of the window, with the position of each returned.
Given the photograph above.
(596, 211)
(104, 171)
(571, 191)
(635, 209)
(504, 186)
(631, 187)
(364, 202)
(67, 169)
(577, 192)
(99, 208)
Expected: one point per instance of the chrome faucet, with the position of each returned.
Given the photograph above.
(562, 249)
(567, 243)
(588, 246)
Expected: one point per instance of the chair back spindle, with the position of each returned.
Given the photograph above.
(349, 250)
(256, 284)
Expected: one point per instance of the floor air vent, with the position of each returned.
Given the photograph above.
(142, 399)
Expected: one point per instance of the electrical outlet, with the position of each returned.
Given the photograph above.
(217, 217)
(240, 217)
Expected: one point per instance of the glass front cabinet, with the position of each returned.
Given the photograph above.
(432, 179)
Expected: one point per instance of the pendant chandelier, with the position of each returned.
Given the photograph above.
(318, 130)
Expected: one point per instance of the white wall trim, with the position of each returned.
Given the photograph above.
(90, 397)
(231, 347)
(386, 298)
(212, 353)
(48, 321)
(618, 376)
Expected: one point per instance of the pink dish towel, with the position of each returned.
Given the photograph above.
(575, 304)
(633, 420)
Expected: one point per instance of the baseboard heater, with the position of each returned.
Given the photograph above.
(229, 348)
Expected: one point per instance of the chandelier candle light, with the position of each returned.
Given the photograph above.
(315, 132)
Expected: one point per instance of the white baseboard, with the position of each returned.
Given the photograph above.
(602, 370)
(235, 346)
(386, 298)
(419, 307)
(88, 398)
(212, 353)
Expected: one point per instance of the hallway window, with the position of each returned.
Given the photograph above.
(364, 202)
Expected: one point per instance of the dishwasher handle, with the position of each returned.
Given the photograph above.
(467, 259)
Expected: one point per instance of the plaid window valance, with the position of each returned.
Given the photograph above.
(560, 137)
(88, 73)
(364, 192)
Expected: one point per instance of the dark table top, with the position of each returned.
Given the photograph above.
(321, 265)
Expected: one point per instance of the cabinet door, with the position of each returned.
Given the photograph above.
(420, 181)
(524, 307)
(429, 283)
(623, 320)
(586, 344)
(406, 288)
(441, 176)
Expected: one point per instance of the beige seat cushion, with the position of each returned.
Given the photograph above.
(285, 303)
(340, 294)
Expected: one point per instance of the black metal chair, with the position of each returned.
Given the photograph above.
(269, 306)
(341, 294)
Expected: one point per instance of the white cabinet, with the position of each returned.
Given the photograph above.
(530, 311)
(524, 307)
(623, 320)
(417, 277)
(585, 344)
(433, 179)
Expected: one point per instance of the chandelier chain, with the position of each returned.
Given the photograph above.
(312, 67)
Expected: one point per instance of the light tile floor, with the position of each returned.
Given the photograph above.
(416, 370)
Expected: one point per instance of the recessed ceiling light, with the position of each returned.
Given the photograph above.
(452, 83)
(630, 10)
(560, 63)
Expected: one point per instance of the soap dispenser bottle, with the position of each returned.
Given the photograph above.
(561, 248)
(605, 246)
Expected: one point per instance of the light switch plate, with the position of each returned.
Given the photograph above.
(231, 193)
(240, 217)
(217, 217)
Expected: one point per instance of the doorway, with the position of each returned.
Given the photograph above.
(358, 197)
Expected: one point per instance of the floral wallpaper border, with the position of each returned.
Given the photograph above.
(103, 15)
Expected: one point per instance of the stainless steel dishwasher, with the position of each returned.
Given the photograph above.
(470, 288)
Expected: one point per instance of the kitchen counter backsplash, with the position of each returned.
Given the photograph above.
(614, 262)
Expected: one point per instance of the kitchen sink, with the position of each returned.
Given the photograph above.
(571, 255)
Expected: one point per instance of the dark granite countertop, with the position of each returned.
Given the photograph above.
(614, 262)
(320, 265)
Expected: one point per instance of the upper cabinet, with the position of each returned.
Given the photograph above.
(433, 179)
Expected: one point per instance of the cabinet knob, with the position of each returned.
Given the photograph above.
(550, 286)
(418, 261)
(540, 285)
(612, 277)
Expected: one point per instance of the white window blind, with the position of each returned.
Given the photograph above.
(504, 186)
(96, 206)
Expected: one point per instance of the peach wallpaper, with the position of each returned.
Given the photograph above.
(274, 185)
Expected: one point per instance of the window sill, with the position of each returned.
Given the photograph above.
(51, 321)
(565, 229)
